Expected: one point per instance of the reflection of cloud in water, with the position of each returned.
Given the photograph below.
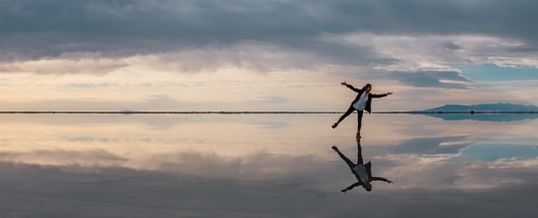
(235, 166)
(94, 157)
(408, 170)
(439, 145)
(441, 172)
(273, 125)
(255, 166)
(154, 121)
(72, 191)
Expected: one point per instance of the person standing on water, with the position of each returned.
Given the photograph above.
(363, 172)
(362, 102)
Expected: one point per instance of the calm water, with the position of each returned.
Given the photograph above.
(263, 166)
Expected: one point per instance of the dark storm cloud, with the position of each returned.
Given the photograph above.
(437, 79)
(48, 28)
(34, 29)
(452, 46)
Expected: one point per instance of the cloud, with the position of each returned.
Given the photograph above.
(429, 146)
(437, 170)
(64, 65)
(342, 39)
(236, 31)
(258, 166)
(130, 27)
(271, 100)
(63, 157)
(156, 102)
(73, 191)
(197, 23)
(438, 79)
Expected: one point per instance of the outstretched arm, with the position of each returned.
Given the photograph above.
(381, 95)
(350, 86)
(352, 186)
(380, 179)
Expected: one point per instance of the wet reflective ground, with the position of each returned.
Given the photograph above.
(264, 166)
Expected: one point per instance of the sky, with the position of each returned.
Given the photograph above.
(264, 55)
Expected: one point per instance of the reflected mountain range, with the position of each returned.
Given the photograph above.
(494, 112)
(488, 117)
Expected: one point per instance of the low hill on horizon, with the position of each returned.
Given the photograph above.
(493, 107)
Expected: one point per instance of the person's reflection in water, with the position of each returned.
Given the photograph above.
(362, 171)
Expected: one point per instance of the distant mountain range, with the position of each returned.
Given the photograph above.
(511, 112)
(490, 107)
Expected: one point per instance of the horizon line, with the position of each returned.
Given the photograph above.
(247, 112)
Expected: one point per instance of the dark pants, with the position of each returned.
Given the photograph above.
(359, 116)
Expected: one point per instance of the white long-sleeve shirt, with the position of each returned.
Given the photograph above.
(361, 103)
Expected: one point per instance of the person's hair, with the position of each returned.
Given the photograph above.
(366, 86)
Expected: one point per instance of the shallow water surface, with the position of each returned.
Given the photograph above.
(267, 165)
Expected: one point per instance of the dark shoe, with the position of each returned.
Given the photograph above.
(334, 148)
(334, 125)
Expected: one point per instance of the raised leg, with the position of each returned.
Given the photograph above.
(348, 162)
(347, 113)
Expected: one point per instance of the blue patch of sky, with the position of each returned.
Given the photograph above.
(492, 72)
